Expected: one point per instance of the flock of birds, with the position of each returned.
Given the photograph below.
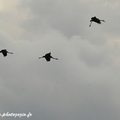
(48, 55)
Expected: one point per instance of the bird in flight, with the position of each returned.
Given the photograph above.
(48, 57)
(94, 19)
(4, 52)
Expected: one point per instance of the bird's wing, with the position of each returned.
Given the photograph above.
(47, 58)
(4, 53)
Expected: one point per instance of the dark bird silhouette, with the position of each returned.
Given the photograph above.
(4, 52)
(94, 19)
(48, 57)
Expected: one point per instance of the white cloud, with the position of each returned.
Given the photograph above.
(11, 17)
(63, 89)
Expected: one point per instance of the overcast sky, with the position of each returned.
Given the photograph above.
(84, 84)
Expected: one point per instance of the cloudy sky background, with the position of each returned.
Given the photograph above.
(84, 84)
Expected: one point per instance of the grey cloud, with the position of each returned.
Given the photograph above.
(94, 55)
(64, 16)
(64, 89)
(72, 18)
(83, 83)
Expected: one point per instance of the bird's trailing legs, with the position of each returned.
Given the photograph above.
(40, 57)
(9, 52)
(54, 58)
(102, 20)
(90, 24)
